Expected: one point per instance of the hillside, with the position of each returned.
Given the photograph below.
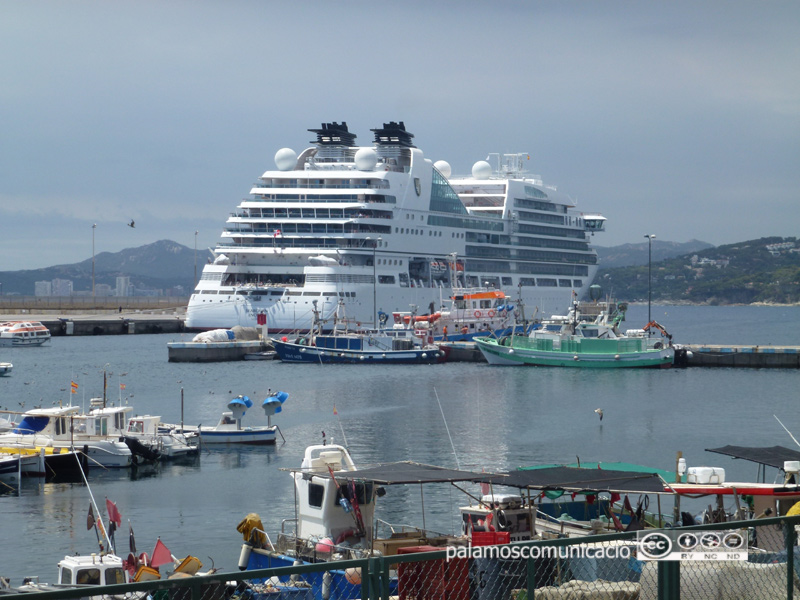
(161, 265)
(764, 270)
(628, 255)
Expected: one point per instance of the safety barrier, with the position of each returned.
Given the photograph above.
(735, 560)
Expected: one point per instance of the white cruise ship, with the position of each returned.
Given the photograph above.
(381, 228)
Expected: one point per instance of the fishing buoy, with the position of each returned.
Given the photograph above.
(353, 575)
(324, 545)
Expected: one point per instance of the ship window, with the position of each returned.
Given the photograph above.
(565, 283)
(546, 282)
(88, 577)
(386, 279)
(294, 293)
(311, 293)
(114, 576)
(577, 283)
(66, 576)
(316, 493)
(507, 281)
(328, 293)
(527, 281)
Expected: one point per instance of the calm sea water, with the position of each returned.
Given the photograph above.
(496, 417)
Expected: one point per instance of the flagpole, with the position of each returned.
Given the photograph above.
(344, 437)
(94, 504)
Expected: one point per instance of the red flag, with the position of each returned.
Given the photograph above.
(90, 518)
(113, 513)
(161, 555)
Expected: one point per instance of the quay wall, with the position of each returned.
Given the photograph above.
(709, 355)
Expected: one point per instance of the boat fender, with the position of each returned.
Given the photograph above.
(502, 521)
(244, 556)
(477, 314)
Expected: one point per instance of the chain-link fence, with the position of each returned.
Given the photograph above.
(737, 560)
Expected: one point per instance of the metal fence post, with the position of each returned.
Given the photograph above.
(531, 574)
(791, 540)
(669, 580)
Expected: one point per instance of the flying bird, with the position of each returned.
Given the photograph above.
(132, 223)
(599, 411)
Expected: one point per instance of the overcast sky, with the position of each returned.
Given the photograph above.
(680, 119)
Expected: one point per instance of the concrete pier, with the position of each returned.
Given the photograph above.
(213, 351)
(115, 323)
(759, 357)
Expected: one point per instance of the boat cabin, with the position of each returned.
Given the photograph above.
(95, 569)
(331, 507)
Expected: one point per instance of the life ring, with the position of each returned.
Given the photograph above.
(490, 314)
(477, 314)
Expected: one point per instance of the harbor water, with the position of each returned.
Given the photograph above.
(467, 415)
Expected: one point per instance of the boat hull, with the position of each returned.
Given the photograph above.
(300, 353)
(254, 437)
(516, 352)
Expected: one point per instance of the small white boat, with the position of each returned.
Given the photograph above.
(171, 444)
(23, 333)
(14, 466)
(5, 369)
(229, 430)
(64, 427)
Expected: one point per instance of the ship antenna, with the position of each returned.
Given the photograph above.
(787, 431)
(447, 428)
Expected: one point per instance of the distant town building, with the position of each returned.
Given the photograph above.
(62, 287)
(103, 289)
(777, 249)
(124, 287)
(43, 288)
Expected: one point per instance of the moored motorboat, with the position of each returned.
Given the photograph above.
(23, 333)
(573, 341)
(6, 368)
(467, 314)
(63, 427)
(229, 429)
(342, 345)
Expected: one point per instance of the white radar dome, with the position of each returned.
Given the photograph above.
(285, 159)
(443, 167)
(366, 159)
(481, 170)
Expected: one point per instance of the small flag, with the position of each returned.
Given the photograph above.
(131, 539)
(276, 233)
(113, 513)
(161, 555)
(74, 387)
(122, 386)
(90, 518)
(336, 412)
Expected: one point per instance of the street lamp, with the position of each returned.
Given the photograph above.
(94, 226)
(650, 238)
(195, 259)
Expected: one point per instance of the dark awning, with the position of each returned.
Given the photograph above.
(406, 472)
(555, 478)
(573, 479)
(772, 456)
